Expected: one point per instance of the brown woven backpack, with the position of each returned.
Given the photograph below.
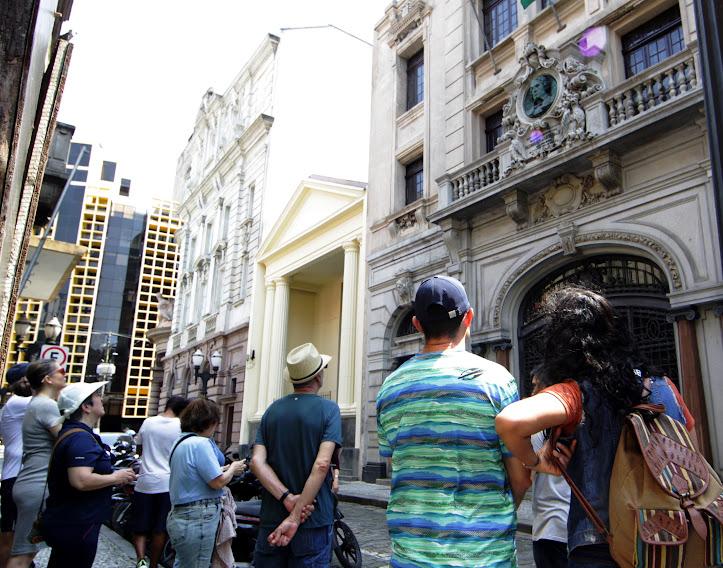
(666, 502)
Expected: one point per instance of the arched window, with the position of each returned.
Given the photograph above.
(405, 326)
(637, 288)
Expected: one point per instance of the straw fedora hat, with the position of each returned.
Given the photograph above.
(304, 362)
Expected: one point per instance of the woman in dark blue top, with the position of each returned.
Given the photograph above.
(80, 480)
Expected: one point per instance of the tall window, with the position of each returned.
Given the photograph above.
(125, 187)
(415, 79)
(493, 129)
(500, 17)
(414, 181)
(209, 238)
(107, 172)
(652, 42)
(250, 202)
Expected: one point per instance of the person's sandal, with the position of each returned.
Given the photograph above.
(142, 563)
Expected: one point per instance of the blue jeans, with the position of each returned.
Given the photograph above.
(591, 556)
(192, 529)
(310, 548)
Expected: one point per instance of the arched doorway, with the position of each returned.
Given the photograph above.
(636, 286)
(406, 340)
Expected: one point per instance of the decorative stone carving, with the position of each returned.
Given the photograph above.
(404, 289)
(568, 193)
(614, 236)
(567, 232)
(516, 207)
(407, 16)
(455, 234)
(165, 311)
(608, 171)
(545, 111)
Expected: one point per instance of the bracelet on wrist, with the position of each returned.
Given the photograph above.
(284, 495)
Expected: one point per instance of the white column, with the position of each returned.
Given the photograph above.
(347, 333)
(267, 322)
(280, 325)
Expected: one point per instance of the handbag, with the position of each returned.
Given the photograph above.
(36, 535)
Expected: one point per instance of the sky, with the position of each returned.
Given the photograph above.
(140, 67)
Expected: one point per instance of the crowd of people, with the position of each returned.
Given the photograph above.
(462, 446)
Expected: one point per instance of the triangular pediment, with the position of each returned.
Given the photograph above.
(313, 204)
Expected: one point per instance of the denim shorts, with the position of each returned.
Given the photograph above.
(310, 548)
(192, 529)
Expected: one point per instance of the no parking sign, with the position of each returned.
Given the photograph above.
(57, 353)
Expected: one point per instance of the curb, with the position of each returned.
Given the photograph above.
(523, 526)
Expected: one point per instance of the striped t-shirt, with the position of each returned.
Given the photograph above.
(451, 503)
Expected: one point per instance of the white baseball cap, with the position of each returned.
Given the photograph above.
(73, 395)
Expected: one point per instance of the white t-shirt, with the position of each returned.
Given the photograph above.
(550, 502)
(11, 432)
(157, 436)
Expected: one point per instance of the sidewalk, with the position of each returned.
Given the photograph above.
(113, 552)
(378, 496)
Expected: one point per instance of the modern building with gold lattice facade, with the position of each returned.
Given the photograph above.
(111, 297)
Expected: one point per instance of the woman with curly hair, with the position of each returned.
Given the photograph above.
(591, 378)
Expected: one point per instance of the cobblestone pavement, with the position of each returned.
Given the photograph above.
(113, 552)
(369, 526)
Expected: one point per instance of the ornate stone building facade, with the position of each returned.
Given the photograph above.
(562, 143)
(220, 182)
(282, 118)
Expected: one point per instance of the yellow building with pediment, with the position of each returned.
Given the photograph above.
(310, 283)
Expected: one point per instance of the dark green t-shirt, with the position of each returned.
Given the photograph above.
(292, 429)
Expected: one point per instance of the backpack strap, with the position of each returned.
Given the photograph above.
(173, 451)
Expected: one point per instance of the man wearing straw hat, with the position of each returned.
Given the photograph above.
(292, 456)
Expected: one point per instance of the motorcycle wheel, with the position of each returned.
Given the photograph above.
(346, 546)
(168, 556)
(119, 520)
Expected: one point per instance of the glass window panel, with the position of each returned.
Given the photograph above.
(108, 171)
(652, 42)
(415, 79)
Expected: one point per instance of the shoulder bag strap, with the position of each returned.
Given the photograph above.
(589, 510)
(50, 463)
(173, 451)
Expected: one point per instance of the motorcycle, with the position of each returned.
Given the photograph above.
(124, 456)
(246, 490)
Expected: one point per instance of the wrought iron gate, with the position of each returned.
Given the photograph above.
(636, 287)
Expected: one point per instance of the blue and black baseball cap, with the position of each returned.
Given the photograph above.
(443, 291)
(16, 372)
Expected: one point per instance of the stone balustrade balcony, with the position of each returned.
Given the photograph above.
(661, 98)
(669, 79)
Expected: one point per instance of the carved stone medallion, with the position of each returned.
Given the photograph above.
(540, 95)
(546, 110)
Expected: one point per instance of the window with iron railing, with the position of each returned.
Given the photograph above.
(493, 130)
(655, 40)
(500, 19)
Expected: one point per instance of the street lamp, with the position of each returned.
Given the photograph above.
(197, 360)
(105, 370)
(22, 328)
(52, 330)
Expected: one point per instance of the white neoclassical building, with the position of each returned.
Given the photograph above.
(220, 182)
(522, 149)
(285, 115)
(311, 282)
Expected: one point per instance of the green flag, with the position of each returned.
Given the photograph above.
(526, 3)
